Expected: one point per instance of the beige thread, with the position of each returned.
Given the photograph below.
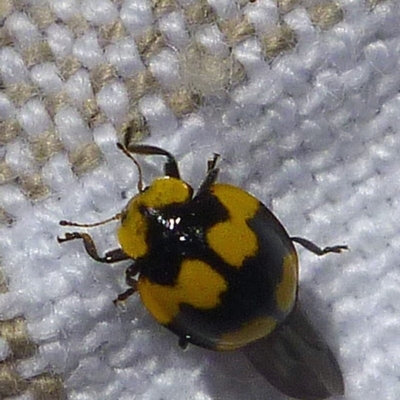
(45, 145)
(141, 84)
(199, 12)
(56, 101)
(11, 384)
(14, 332)
(182, 101)
(150, 43)
(135, 130)
(78, 25)
(9, 130)
(33, 186)
(326, 15)
(208, 74)
(97, 119)
(5, 38)
(91, 113)
(236, 30)
(101, 75)
(6, 8)
(287, 5)
(20, 93)
(47, 387)
(19, 5)
(68, 66)
(89, 108)
(42, 387)
(275, 43)
(161, 7)
(6, 173)
(6, 219)
(113, 32)
(38, 53)
(43, 16)
(85, 158)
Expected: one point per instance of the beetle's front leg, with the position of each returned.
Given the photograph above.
(109, 258)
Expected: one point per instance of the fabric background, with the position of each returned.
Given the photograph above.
(301, 99)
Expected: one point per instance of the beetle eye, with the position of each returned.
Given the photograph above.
(146, 211)
(124, 213)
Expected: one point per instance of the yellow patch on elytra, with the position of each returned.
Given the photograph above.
(132, 233)
(249, 332)
(286, 289)
(233, 240)
(198, 285)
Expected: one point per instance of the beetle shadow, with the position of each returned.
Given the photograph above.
(234, 377)
(231, 376)
(320, 315)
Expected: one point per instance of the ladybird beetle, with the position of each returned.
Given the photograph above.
(219, 270)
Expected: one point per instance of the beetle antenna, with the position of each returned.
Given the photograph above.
(170, 167)
(129, 155)
(69, 223)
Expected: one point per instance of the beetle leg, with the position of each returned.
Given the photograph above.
(210, 178)
(123, 296)
(130, 274)
(183, 342)
(109, 258)
(131, 281)
(211, 163)
(318, 250)
(212, 174)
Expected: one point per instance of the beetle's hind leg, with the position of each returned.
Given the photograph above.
(316, 249)
(109, 258)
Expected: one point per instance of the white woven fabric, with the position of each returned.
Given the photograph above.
(313, 133)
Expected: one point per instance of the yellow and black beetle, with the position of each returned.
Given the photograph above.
(219, 270)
